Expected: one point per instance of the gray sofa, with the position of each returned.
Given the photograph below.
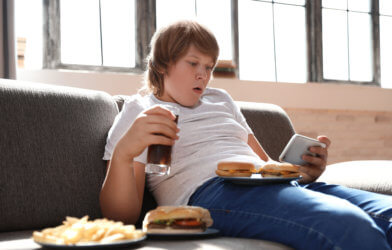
(52, 140)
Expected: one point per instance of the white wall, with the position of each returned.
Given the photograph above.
(286, 95)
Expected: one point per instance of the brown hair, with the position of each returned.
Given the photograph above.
(171, 43)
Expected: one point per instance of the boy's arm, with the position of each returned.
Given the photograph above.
(121, 196)
(122, 191)
(257, 148)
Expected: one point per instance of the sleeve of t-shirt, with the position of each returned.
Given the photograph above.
(123, 121)
(238, 116)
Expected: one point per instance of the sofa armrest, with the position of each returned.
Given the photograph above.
(369, 175)
(51, 143)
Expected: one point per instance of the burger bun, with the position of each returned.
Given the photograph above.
(235, 169)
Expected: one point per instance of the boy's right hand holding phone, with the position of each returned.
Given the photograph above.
(309, 154)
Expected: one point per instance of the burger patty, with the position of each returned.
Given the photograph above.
(174, 225)
(281, 174)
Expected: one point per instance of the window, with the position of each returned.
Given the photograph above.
(298, 41)
(272, 41)
(28, 33)
(347, 40)
(203, 11)
(386, 43)
(97, 34)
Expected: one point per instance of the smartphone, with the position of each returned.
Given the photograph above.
(298, 146)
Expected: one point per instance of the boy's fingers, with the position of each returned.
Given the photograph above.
(318, 161)
(159, 139)
(158, 120)
(321, 152)
(324, 139)
(162, 129)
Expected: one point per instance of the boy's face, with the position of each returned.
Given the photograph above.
(187, 79)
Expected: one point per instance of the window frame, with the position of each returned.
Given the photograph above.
(315, 45)
(145, 28)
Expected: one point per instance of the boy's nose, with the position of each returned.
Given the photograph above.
(201, 73)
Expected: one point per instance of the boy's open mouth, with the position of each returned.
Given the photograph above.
(197, 89)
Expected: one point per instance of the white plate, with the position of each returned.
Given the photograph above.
(94, 245)
(210, 232)
(258, 180)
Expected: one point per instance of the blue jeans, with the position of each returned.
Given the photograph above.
(313, 216)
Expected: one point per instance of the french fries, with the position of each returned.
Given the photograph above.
(82, 231)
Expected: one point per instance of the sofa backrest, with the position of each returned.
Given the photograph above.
(270, 124)
(52, 141)
(51, 145)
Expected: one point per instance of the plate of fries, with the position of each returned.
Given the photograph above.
(82, 233)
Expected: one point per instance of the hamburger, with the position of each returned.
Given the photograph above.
(235, 169)
(177, 219)
(283, 170)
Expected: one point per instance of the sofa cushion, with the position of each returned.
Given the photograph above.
(51, 142)
(370, 175)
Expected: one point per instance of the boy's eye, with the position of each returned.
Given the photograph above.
(192, 63)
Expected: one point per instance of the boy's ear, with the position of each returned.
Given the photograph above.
(165, 71)
(162, 71)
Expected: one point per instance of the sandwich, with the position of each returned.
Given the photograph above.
(177, 219)
(283, 170)
(235, 169)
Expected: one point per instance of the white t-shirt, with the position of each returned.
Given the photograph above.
(212, 131)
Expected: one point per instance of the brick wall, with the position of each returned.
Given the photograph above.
(355, 135)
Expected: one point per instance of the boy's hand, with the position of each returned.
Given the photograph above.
(155, 125)
(316, 165)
